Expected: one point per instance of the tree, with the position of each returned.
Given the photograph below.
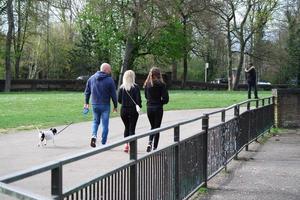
(22, 11)
(186, 10)
(294, 41)
(127, 29)
(226, 12)
(87, 54)
(9, 37)
(243, 31)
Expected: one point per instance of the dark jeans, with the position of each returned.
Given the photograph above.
(155, 115)
(129, 117)
(252, 85)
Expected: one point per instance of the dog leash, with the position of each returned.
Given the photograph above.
(64, 128)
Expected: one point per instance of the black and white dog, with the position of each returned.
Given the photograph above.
(49, 135)
(46, 135)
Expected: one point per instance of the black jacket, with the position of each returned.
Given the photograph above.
(156, 95)
(125, 100)
(251, 75)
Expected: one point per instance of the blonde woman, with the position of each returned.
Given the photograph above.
(157, 95)
(128, 96)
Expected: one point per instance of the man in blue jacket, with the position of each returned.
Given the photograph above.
(102, 88)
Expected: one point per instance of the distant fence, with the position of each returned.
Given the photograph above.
(44, 85)
(171, 173)
(79, 85)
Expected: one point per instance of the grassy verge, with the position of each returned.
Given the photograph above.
(25, 110)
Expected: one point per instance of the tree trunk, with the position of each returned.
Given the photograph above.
(298, 73)
(174, 70)
(131, 48)
(17, 42)
(10, 19)
(185, 52)
(229, 56)
(20, 39)
(184, 69)
(239, 68)
(128, 60)
(48, 41)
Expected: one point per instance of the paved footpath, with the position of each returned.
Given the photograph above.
(19, 151)
(269, 171)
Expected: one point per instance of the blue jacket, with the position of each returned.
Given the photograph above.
(102, 87)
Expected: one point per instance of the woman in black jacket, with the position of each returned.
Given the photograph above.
(157, 95)
(128, 96)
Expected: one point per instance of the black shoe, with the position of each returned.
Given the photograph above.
(93, 142)
(149, 147)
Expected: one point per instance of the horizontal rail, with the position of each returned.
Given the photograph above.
(29, 172)
(20, 193)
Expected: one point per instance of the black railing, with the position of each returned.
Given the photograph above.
(173, 172)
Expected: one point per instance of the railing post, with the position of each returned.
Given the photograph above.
(177, 166)
(247, 146)
(236, 114)
(275, 110)
(257, 105)
(205, 125)
(133, 171)
(56, 182)
(223, 116)
(248, 105)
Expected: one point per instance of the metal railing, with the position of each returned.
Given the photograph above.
(173, 172)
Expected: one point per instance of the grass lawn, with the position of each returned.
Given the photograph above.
(25, 110)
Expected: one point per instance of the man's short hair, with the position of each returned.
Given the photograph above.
(103, 65)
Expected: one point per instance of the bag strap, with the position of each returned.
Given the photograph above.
(130, 96)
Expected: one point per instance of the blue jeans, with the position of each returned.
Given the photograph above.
(101, 113)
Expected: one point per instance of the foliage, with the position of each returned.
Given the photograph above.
(101, 36)
(168, 42)
(294, 44)
(62, 44)
(84, 57)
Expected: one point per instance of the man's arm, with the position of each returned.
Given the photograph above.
(87, 93)
(113, 94)
(247, 70)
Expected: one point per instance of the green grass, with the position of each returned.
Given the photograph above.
(193, 99)
(202, 190)
(25, 110)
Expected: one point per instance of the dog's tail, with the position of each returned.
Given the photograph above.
(37, 128)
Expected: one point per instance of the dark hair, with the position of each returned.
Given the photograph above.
(154, 74)
(251, 64)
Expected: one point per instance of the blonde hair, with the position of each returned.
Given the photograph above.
(154, 74)
(128, 80)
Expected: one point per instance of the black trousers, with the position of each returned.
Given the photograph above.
(155, 115)
(129, 117)
(252, 85)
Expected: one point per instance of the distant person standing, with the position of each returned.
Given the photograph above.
(102, 88)
(157, 95)
(129, 96)
(251, 80)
